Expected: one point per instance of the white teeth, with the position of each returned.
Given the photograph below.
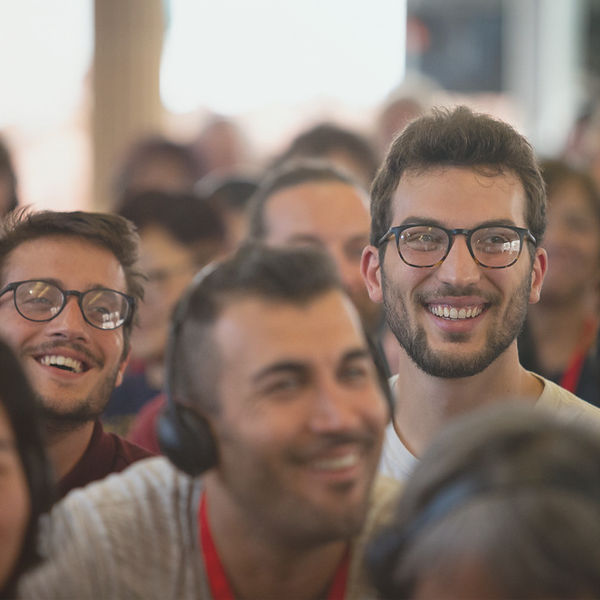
(454, 313)
(62, 361)
(333, 464)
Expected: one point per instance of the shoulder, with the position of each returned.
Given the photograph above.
(126, 453)
(143, 486)
(566, 405)
(384, 496)
(384, 499)
(98, 539)
(396, 460)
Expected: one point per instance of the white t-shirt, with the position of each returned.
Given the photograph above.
(397, 461)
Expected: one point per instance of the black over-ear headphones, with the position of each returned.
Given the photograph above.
(184, 435)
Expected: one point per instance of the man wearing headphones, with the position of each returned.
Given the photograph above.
(275, 421)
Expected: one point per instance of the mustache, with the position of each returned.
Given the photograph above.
(47, 348)
(457, 292)
(328, 442)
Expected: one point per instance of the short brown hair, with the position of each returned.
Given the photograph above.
(458, 137)
(276, 274)
(291, 174)
(112, 232)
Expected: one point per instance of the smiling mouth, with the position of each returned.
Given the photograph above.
(455, 314)
(336, 463)
(65, 363)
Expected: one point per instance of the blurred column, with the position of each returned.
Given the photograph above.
(543, 64)
(128, 46)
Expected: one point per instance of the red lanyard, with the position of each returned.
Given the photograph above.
(217, 578)
(570, 377)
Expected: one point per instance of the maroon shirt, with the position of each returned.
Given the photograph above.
(106, 453)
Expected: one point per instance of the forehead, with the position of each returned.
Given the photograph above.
(73, 262)
(322, 208)
(459, 197)
(252, 333)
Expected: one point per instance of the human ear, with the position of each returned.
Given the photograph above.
(540, 266)
(371, 272)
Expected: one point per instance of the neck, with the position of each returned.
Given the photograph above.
(66, 448)
(424, 403)
(260, 565)
(557, 331)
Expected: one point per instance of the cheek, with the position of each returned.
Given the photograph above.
(379, 412)
(13, 331)
(14, 517)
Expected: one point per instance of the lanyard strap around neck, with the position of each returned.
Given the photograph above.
(217, 578)
(570, 378)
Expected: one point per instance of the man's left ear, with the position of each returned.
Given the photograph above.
(122, 367)
(540, 266)
(371, 272)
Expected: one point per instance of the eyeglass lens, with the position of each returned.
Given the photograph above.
(491, 246)
(42, 301)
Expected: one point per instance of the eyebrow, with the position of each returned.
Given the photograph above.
(416, 220)
(301, 366)
(58, 283)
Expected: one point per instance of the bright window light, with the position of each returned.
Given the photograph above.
(45, 51)
(233, 56)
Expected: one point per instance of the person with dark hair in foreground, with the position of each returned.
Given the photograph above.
(272, 439)
(504, 504)
(26, 479)
(69, 285)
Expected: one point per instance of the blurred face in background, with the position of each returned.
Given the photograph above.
(333, 215)
(15, 505)
(169, 266)
(572, 242)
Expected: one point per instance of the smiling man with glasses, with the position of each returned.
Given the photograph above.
(458, 212)
(69, 286)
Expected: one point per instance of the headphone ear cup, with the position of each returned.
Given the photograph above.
(186, 440)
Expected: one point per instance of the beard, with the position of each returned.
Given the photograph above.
(60, 421)
(413, 338)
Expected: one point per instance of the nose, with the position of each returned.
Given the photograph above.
(331, 411)
(69, 323)
(459, 267)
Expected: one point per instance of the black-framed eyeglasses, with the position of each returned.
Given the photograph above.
(102, 308)
(491, 246)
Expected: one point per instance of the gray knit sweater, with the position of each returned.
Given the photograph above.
(135, 535)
